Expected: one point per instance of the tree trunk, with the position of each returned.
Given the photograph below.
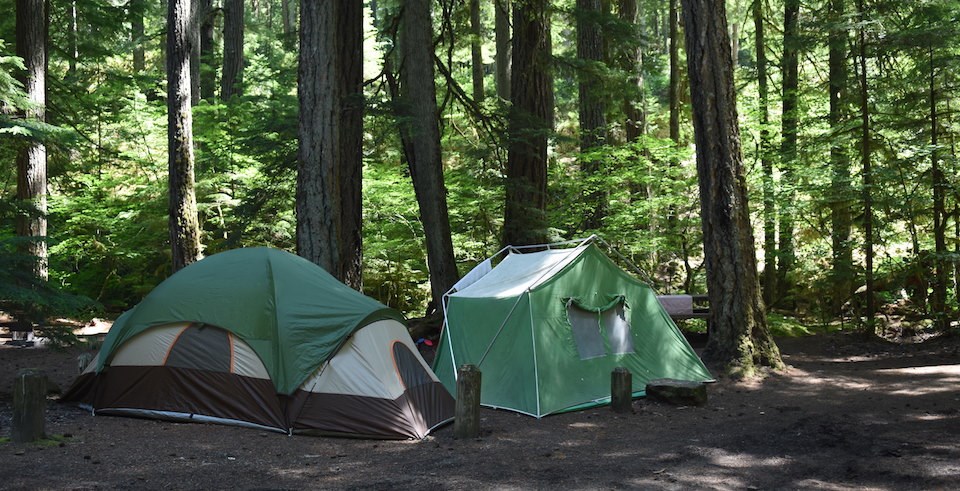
(331, 137)
(208, 69)
(769, 278)
(866, 172)
(136, 8)
(288, 10)
(673, 93)
(592, 107)
(634, 109)
(788, 147)
(939, 184)
(476, 51)
(194, 28)
(504, 55)
(530, 123)
(739, 337)
(840, 194)
(418, 111)
(31, 224)
(231, 82)
(184, 224)
(72, 38)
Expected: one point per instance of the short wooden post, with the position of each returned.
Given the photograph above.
(621, 390)
(29, 406)
(467, 418)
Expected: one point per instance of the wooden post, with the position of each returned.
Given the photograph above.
(29, 406)
(467, 418)
(621, 390)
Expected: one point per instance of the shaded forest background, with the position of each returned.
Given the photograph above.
(847, 112)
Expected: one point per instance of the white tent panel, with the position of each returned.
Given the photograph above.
(149, 348)
(365, 365)
(518, 273)
(245, 360)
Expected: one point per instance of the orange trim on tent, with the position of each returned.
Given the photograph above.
(174, 343)
(230, 342)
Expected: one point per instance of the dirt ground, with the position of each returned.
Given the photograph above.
(847, 414)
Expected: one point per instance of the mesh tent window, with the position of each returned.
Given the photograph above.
(591, 326)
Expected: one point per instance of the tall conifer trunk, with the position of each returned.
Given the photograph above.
(476, 52)
(788, 146)
(137, 34)
(739, 337)
(31, 33)
(504, 48)
(329, 207)
(866, 171)
(184, 224)
(939, 297)
(769, 278)
(632, 64)
(840, 194)
(531, 121)
(592, 107)
(673, 92)
(208, 63)
(231, 82)
(418, 108)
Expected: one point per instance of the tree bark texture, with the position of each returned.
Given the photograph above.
(504, 48)
(31, 33)
(231, 82)
(590, 51)
(840, 200)
(194, 27)
(418, 110)
(72, 54)
(208, 62)
(739, 337)
(331, 137)
(288, 11)
(673, 92)
(476, 51)
(769, 278)
(870, 307)
(530, 124)
(184, 224)
(136, 8)
(939, 184)
(788, 146)
(592, 109)
(634, 108)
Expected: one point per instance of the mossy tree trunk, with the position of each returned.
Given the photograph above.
(739, 337)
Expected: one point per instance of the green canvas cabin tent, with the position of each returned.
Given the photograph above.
(263, 338)
(547, 328)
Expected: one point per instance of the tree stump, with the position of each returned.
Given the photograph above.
(467, 416)
(621, 390)
(678, 392)
(29, 406)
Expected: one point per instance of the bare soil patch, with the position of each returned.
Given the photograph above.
(847, 414)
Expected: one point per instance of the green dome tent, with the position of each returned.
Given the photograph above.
(547, 328)
(261, 337)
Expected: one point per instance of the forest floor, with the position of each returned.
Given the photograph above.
(847, 414)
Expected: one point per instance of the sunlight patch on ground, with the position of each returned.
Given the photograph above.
(948, 379)
(940, 468)
(739, 460)
(819, 484)
(930, 417)
(811, 378)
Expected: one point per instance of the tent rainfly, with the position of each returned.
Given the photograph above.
(547, 328)
(263, 338)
